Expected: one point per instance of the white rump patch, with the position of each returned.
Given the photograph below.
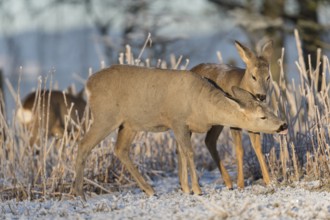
(24, 115)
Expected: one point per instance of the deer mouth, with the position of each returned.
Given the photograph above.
(283, 129)
(261, 98)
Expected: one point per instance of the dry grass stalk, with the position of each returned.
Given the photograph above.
(304, 152)
(295, 163)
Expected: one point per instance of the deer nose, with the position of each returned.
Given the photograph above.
(283, 129)
(261, 97)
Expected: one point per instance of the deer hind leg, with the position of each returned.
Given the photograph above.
(122, 149)
(183, 175)
(237, 138)
(182, 169)
(256, 144)
(211, 144)
(96, 133)
(186, 153)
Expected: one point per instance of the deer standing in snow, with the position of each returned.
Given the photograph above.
(137, 99)
(255, 78)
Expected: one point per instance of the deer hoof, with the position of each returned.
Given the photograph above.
(198, 191)
(150, 192)
(187, 191)
(79, 193)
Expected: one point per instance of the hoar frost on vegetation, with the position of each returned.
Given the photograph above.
(307, 143)
(254, 202)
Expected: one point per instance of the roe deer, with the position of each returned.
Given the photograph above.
(147, 99)
(59, 105)
(254, 79)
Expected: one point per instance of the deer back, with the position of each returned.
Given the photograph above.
(156, 100)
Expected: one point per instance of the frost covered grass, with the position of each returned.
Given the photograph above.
(45, 179)
(255, 202)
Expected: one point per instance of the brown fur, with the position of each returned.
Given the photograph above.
(254, 79)
(29, 114)
(147, 99)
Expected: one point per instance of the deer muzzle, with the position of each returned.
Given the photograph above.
(261, 97)
(283, 129)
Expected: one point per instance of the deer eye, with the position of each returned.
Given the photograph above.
(263, 118)
(268, 78)
(254, 78)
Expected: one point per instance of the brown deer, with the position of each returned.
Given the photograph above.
(254, 79)
(137, 99)
(59, 107)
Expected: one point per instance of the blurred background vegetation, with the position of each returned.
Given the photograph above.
(69, 39)
(72, 37)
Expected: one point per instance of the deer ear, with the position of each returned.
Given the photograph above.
(243, 96)
(236, 102)
(267, 50)
(245, 53)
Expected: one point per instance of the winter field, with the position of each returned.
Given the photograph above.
(38, 186)
(297, 201)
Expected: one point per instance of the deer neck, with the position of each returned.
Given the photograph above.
(243, 83)
(222, 111)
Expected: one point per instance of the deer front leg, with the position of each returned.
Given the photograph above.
(186, 153)
(237, 139)
(122, 149)
(256, 144)
(211, 144)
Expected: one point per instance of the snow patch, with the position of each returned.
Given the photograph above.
(217, 202)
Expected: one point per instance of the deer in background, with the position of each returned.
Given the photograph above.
(35, 117)
(137, 99)
(255, 78)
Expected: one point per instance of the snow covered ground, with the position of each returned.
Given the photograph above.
(255, 202)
